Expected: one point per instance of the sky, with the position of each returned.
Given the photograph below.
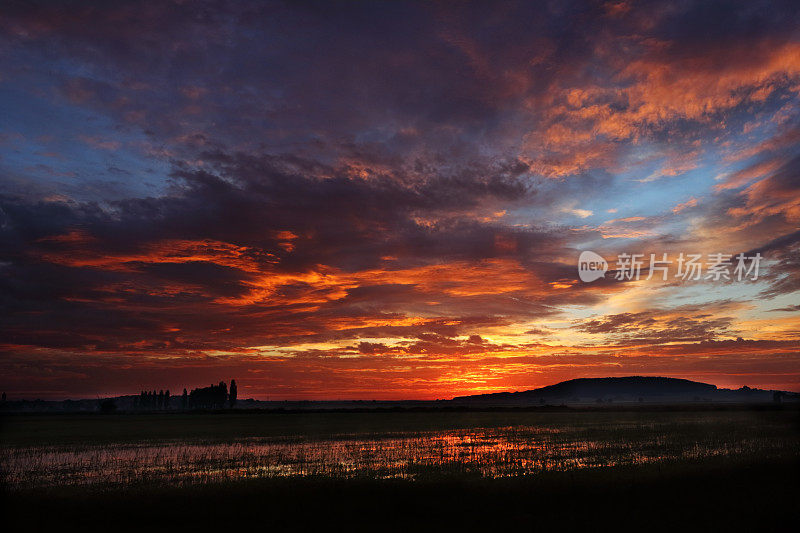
(387, 200)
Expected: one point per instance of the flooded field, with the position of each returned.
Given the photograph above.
(475, 446)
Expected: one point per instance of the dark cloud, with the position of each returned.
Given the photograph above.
(242, 185)
(656, 327)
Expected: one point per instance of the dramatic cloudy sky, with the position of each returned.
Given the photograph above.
(388, 200)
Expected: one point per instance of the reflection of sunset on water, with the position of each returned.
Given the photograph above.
(487, 452)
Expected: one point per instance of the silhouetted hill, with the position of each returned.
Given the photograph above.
(624, 389)
(582, 391)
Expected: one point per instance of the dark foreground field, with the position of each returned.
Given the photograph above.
(697, 497)
(646, 471)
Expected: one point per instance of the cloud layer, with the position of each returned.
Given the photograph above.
(388, 200)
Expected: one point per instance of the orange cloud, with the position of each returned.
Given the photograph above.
(165, 251)
(691, 202)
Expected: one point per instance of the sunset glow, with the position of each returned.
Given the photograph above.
(388, 200)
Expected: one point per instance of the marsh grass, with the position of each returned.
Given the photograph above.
(425, 446)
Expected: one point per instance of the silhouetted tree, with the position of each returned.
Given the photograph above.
(166, 399)
(185, 400)
(233, 393)
(211, 397)
(221, 398)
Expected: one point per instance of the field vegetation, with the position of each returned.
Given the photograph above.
(521, 467)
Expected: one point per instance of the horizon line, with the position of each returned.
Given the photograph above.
(101, 397)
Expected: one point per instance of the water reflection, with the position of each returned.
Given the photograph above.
(491, 452)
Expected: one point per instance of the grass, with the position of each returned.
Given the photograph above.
(656, 470)
(67, 429)
(689, 496)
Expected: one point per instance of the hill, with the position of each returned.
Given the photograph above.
(625, 389)
(581, 391)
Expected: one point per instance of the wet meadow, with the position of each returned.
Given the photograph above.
(154, 460)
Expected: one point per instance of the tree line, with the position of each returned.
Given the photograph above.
(212, 397)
